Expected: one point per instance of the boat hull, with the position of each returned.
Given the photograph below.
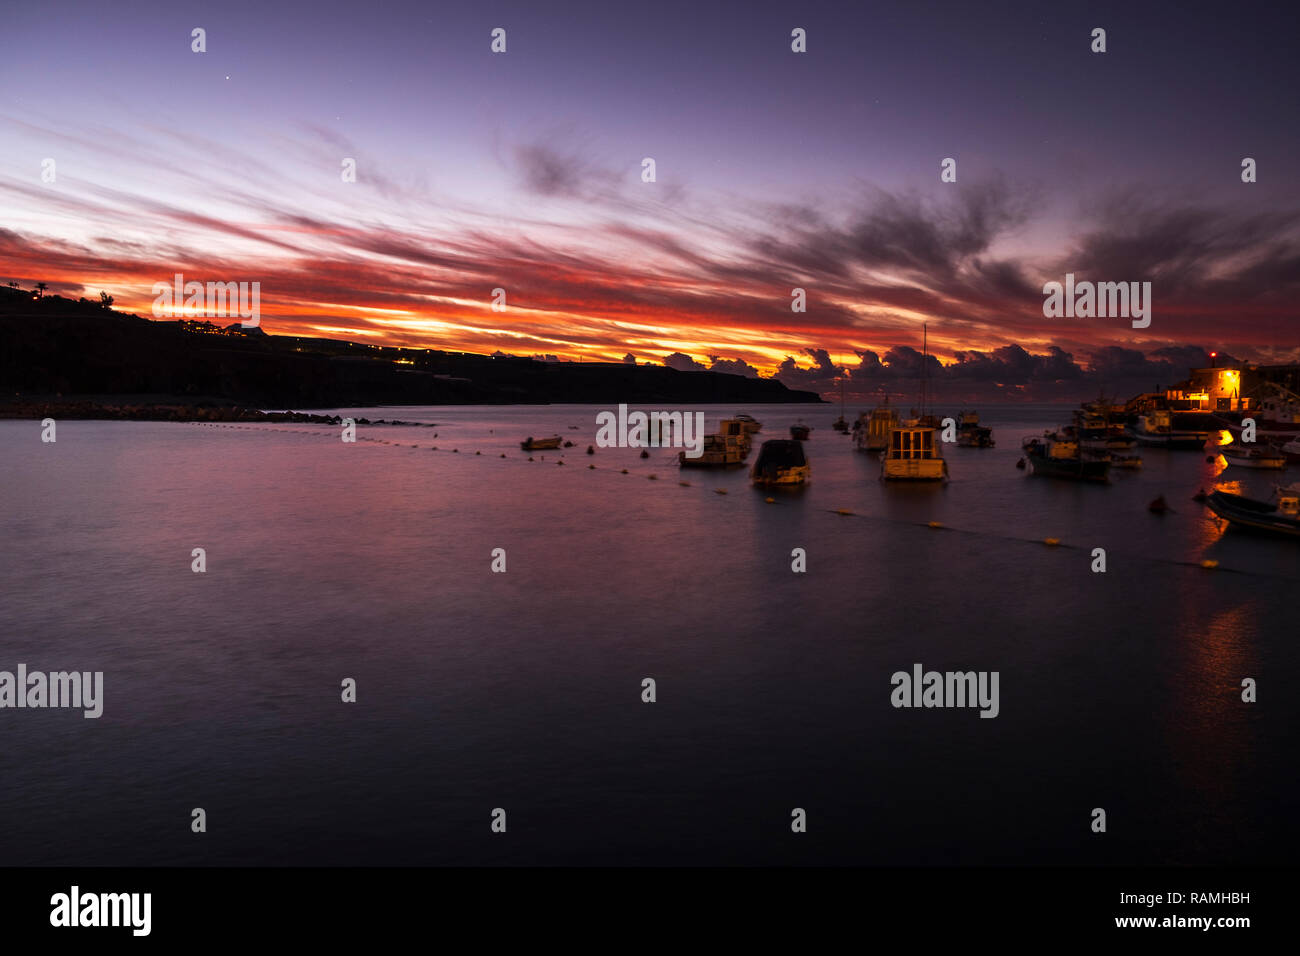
(1073, 469)
(1252, 515)
(1181, 441)
(914, 469)
(1276, 464)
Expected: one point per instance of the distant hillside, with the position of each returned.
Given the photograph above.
(54, 345)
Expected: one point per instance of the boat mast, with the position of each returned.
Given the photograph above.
(925, 363)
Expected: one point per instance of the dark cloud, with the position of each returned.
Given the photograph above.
(683, 363)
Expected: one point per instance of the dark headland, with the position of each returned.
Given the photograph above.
(81, 359)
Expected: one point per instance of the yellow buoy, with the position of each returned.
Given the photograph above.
(1051, 542)
(624, 470)
(936, 524)
(770, 501)
(1210, 564)
(843, 511)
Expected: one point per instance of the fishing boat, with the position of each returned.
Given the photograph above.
(1056, 455)
(1156, 427)
(540, 444)
(781, 461)
(751, 425)
(1276, 418)
(799, 432)
(729, 446)
(871, 431)
(717, 452)
(1280, 517)
(1253, 456)
(970, 433)
(914, 454)
(1100, 425)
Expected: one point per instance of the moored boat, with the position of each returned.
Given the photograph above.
(729, 446)
(540, 444)
(971, 434)
(781, 461)
(751, 425)
(914, 454)
(1100, 425)
(1280, 517)
(800, 432)
(1253, 456)
(1157, 427)
(871, 431)
(1057, 456)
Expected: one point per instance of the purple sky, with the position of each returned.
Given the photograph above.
(774, 170)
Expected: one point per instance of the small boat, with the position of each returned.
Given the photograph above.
(729, 446)
(1157, 427)
(1058, 456)
(871, 431)
(914, 454)
(751, 425)
(781, 461)
(799, 432)
(1253, 456)
(539, 444)
(970, 433)
(1282, 517)
(1100, 426)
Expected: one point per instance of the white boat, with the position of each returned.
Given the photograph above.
(1253, 456)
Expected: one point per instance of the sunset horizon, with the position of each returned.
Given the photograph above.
(461, 219)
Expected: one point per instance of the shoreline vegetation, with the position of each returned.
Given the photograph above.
(87, 360)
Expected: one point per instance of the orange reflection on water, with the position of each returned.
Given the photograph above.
(1210, 738)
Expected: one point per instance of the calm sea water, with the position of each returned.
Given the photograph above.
(523, 690)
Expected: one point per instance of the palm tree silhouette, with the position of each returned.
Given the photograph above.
(40, 289)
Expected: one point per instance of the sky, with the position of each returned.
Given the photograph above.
(774, 170)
